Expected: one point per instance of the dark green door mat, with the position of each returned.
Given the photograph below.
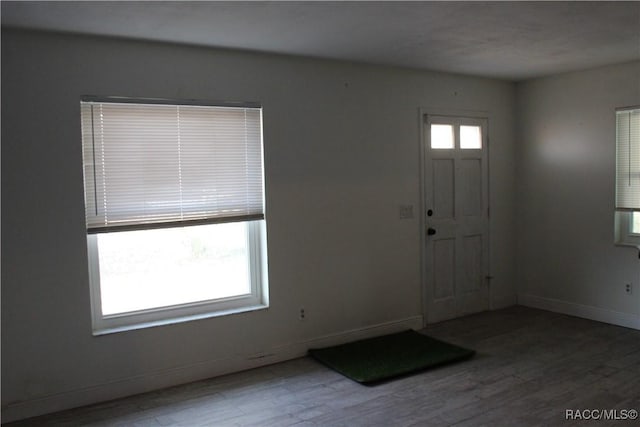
(382, 358)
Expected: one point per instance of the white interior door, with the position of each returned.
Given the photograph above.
(456, 217)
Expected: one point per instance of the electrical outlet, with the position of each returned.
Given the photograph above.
(628, 288)
(302, 315)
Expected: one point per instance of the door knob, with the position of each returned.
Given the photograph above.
(431, 231)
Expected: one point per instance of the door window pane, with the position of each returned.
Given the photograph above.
(442, 137)
(470, 137)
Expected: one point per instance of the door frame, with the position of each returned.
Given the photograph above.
(423, 112)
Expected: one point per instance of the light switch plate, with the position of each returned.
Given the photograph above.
(406, 211)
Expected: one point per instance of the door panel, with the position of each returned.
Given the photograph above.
(456, 216)
(471, 186)
(443, 188)
(472, 263)
(444, 275)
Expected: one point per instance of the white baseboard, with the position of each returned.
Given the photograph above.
(618, 318)
(193, 372)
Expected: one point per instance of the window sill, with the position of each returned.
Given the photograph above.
(181, 319)
(633, 245)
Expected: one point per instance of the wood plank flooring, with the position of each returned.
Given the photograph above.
(531, 366)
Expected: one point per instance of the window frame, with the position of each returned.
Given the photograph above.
(257, 299)
(623, 218)
(456, 122)
(624, 234)
(139, 319)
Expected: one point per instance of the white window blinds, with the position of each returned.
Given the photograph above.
(628, 160)
(154, 165)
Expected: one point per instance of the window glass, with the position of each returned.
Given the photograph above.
(470, 137)
(635, 223)
(442, 136)
(147, 269)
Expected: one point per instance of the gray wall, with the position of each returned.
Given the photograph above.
(566, 188)
(342, 144)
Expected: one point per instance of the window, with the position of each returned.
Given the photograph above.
(470, 137)
(442, 136)
(627, 207)
(635, 224)
(174, 211)
(447, 133)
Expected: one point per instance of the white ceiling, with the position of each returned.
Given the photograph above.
(511, 40)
